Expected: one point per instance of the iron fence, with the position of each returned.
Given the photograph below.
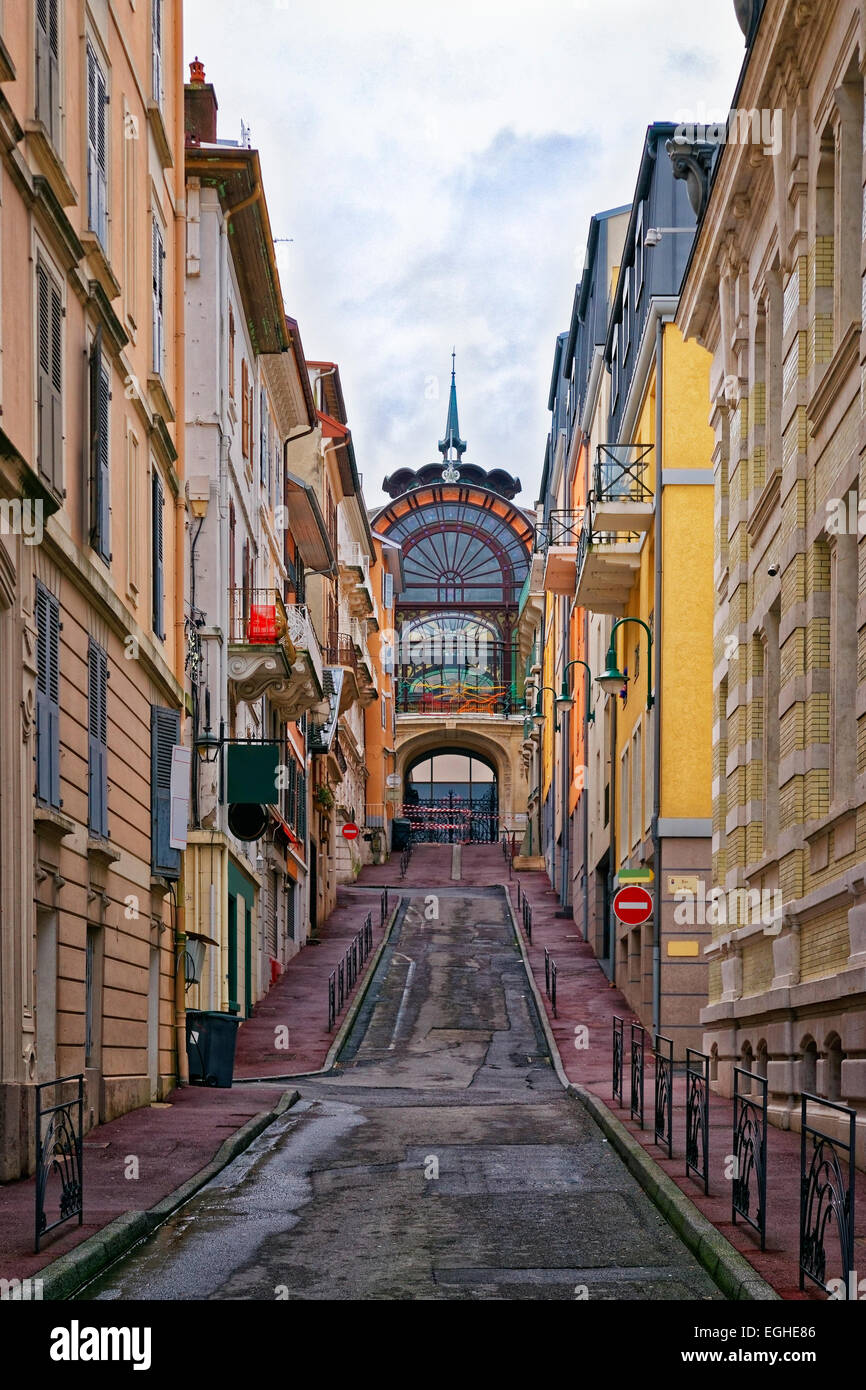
(553, 974)
(368, 929)
(332, 999)
(527, 917)
(547, 972)
(341, 986)
(383, 907)
(637, 1060)
(663, 1067)
(560, 528)
(618, 1050)
(620, 472)
(342, 981)
(826, 1195)
(59, 1155)
(750, 1152)
(698, 1116)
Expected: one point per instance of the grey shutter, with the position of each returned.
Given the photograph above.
(47, 697)
(156, 46)
(157, 545)
(49, 332)
(100, 396)
(158, 255)
(164, 734)
(48, 66)
(97, 159)
(97, 710)
(389, 590)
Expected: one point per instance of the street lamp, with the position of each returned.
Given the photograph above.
(564, 700)
(539, 716)
(612, 679)
(208, 745)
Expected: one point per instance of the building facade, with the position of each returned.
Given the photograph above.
(775, 291)
(92, 621)
(466, 547)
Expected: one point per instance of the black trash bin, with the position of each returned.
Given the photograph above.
(401, 832)
(210, 1046)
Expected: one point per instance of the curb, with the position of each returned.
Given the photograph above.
(65, 1276)
(730, 1270)
(348, 1019)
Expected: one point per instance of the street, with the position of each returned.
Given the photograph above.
(440, 1159)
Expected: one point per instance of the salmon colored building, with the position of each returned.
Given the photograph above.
(92, 632)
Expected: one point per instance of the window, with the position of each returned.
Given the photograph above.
(164, 734)
(638, 255)
(384, 712)
(97, 150)
(614, 372)
(231, 353)
(158, 267)
(130, 213)
(264, 450)
(156, 50)
(157, 543)
(48, 67)
(49, 329)
(97, 717)
(389, 591)
(246, 401)
(626, 319)
(100, 396)
(624, 794)
(47, 698)
(132, 515)
(636, 786)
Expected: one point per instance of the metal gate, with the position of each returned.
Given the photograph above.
(455, 819)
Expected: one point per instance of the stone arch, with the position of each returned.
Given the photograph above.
(809, 1065)
(833, 1066)
(429, 742)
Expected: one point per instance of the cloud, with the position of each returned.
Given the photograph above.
(436, 168)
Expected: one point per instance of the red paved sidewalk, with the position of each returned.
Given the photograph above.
(429, 865)
(298, 1002)
(586, 997)
(172, 1142)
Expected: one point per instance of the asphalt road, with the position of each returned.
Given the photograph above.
(441, 1159)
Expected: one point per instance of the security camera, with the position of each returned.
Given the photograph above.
(773, 570)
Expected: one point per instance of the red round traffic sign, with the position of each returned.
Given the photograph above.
(633, 905)
(350, 831)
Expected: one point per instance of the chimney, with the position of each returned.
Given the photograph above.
(200, 107)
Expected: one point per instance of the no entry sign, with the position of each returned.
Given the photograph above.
(633, 905)
(350, 831)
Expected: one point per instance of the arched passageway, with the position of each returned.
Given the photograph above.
(450, 795)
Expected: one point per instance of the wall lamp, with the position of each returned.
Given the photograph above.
(612, 679)
(565, 701)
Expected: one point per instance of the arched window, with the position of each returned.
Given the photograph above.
(833, 1074)
(809, 1066)
(747, 1062)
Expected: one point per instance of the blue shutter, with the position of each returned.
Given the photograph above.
(47, 697)
(97, 753)
(100, 395)
(164, 734)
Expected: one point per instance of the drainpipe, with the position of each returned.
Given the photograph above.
(611, 872)
(584, 795)
(657, 703)
(180, 519)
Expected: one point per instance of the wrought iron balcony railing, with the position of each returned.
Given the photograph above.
(340, 651)
(257, 617)
(498, 700)
(620, 473)
(560, 528)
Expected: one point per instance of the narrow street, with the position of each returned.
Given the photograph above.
(440, 1159)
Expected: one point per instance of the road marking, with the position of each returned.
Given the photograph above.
(456, 862)
(408, 985)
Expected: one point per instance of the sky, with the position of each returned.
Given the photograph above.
(433, 169)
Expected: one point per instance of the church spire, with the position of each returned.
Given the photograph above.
(452, 444)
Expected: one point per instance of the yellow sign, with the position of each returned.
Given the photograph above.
(684, 948)
(683, 883)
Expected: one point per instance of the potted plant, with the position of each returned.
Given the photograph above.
(324, 797)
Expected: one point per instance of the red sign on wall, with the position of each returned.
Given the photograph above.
(633, 905)
(350, 831)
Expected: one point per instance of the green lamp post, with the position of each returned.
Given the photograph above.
(612, 679)
(564, 700)
(539, 715)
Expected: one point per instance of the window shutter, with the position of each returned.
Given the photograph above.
(49, 331)
(97, 712)
(47, 697)
(157, 556)
(164, 734)
(264, 456)
(48, 66)
(97, 159)
(156, 45)
(157, 257)
(389, 590)
(100, 395)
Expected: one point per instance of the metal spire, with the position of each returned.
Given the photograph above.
(452, 447)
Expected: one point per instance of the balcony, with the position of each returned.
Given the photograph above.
(273, 651)
(497, 700)
(355, 579)
(607, 562)
(557, 539)
(622, 499)
(366, 673)
(340, 653)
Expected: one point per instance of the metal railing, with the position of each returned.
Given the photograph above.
(559, 528)
(257, 617)
(698, 1116)
(383, 907)
(663, 1067)
(59, 1154)
(496, 699)
(637, 1060)
(618, 1057)
(340, 651)
(527, 917)
(620, 473)
(342, 981)
(826, 1196)
(405, 857)
(750, 1152)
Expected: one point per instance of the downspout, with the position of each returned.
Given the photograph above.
(657, 704)
(611, 870)
(180, 519)
(584, 795)
(565, 734)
